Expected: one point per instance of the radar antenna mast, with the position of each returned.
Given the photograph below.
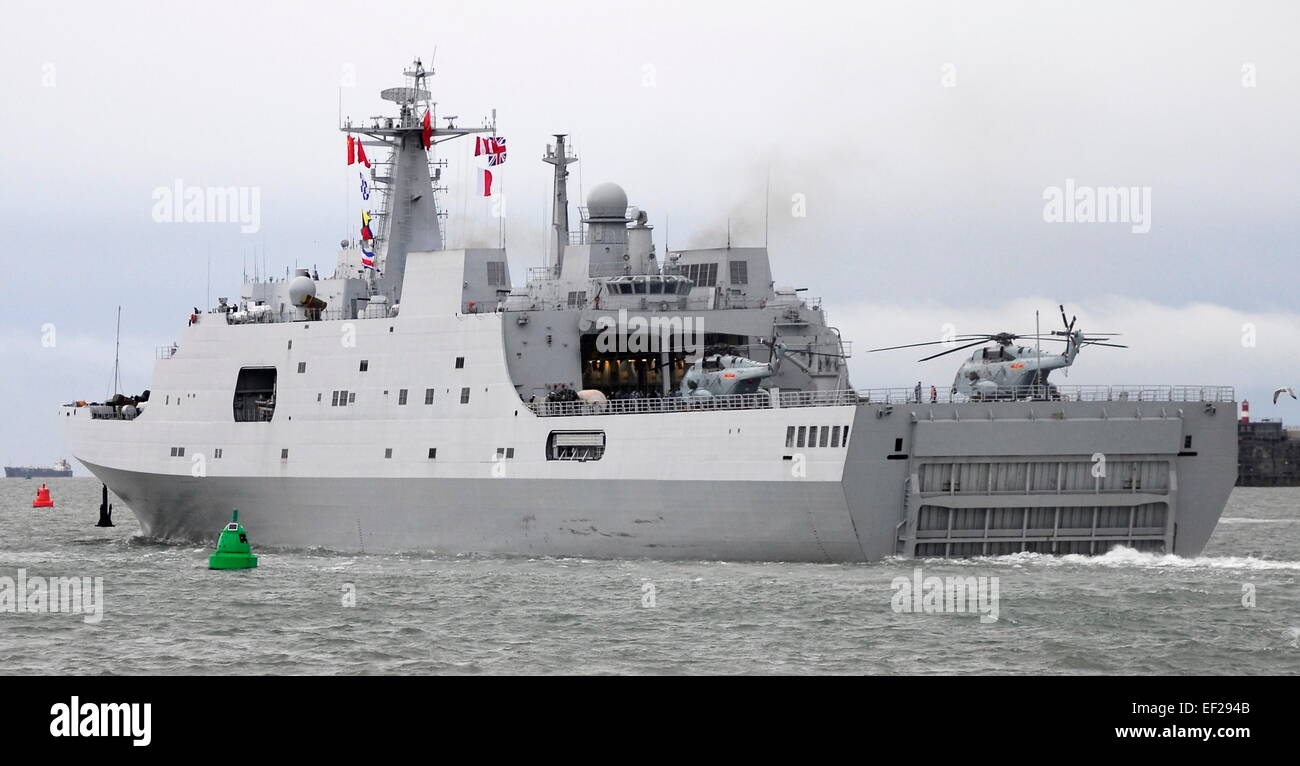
(559, 156)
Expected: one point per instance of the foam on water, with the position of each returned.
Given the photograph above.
(1123, 556)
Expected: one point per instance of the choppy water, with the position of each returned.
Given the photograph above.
(165, 612)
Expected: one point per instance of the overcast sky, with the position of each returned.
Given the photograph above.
(921, 138)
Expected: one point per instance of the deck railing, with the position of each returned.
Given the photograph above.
(900, 396)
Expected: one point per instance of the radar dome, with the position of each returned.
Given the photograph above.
(607, 200)
(301, 290)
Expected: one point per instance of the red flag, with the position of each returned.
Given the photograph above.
(352, 151)
(484, 183)
(427, 135)
(478, 146)
(361, 154)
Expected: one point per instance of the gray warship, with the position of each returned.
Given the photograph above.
(617, 402)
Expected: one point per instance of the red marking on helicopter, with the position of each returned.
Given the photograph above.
(1017, 365)
(729, 375)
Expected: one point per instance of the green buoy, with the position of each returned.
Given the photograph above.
(233, 549)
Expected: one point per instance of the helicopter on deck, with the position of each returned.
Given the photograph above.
(723, 370)
(1007, 370)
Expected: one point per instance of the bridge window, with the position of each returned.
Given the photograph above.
(365, 365)
(401, 396)
(460, 362)
(464, 396)
(579, 446)
(254, 399)
(302, 367)
(803, 434)
(739, 272)
(789, 436)
(496, 273)
(835, 436)
(702, 274)
(428, 396)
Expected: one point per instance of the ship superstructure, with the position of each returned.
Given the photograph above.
(433, 404)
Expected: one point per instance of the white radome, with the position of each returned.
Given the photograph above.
(301, 289)
(608, 200)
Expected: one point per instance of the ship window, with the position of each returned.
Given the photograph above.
(510, 453)
(460, 362)
(496, 273)
(290, 344)
(388, 453)
(254, 399)
(173, 452)
(625, 288)
(401, 396)
(365, 365)
(334, 402)
(825, 436)
(464, 396)
(638, 288)
(739, 272)
(656, 287)
(846, 436)
(501, 453)
(216, 453)
(702, 274)
(352, 397)
(318, 397)
(835, 436)
(898, 444)
(433, 452)
(579, 446)
(812, 436)
(302, 367)
(284, 454)
(428, 396)
(1187, 442)
(803, 433)
(789, 436)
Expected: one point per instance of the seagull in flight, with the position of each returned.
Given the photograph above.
(1283, 390)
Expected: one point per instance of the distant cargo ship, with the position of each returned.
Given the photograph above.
(61, 468)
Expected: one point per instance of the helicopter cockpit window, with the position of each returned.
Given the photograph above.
(638, 288)
(625, 288)
(656, 287)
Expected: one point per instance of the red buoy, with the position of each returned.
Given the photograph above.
(43, 499)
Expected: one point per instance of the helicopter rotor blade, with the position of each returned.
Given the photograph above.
(951, 350)
(1098, 343)
(927, 343)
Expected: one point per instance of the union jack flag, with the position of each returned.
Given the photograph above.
(497, 154)
(494, 147)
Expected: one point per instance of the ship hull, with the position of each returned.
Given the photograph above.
(35, 473)
(1038, 490)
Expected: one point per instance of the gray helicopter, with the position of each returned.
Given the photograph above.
(1007, 370)
(723, 370)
